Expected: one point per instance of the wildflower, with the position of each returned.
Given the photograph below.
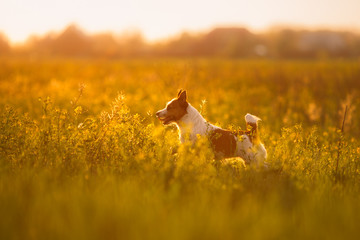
(78, 110)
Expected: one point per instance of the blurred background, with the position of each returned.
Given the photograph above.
(140, 28)
(81, 81)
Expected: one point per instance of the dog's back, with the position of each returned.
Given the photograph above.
(245, 144)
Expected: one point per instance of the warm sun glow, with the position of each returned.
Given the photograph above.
(161, 18)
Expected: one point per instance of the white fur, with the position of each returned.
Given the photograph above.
(251, 118)
(192, 124)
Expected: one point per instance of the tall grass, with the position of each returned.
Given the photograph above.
(94, 164)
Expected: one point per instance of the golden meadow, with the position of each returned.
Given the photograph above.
(82, 155)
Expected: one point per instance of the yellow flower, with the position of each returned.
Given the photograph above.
(78, 110)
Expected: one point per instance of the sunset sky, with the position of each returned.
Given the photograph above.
(157, 19)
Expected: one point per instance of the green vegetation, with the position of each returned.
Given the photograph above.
(83, 157)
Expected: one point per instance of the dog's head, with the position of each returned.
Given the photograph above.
(174, 110)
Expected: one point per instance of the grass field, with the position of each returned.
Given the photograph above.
(82, 155)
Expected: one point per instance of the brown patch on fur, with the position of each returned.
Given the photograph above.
(223, 143)
(175, 109)
(251, 132)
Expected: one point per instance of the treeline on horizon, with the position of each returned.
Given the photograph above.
(220, 42)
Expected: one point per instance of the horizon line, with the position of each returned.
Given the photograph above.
(134, 29)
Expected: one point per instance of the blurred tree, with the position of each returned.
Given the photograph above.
(43, 46)
(132, 44)
(4, 45)
(228, 42)
(219, 42)
(104, 45)
(183, 45)
(283, 43)
(72, 42)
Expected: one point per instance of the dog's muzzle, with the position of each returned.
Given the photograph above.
(161, 115)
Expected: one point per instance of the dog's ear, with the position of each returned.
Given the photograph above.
(182, 96)
(180, 91)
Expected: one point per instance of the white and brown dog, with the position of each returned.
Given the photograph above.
(225, 143)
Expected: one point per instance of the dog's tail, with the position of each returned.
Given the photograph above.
(252, 127)
(258, 148)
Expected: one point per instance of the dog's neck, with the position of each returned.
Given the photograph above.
(191, 124)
